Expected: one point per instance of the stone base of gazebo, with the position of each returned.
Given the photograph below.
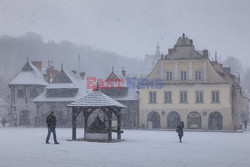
(101, 141)
(96, 136)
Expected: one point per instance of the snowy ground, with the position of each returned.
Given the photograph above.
(25, 147)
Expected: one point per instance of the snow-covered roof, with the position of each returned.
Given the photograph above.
(130, 95)
(75, 83)
(96, 99)
(44, 98)
(29, 75)
(127, 95)
(224, 73)
(61, 86)
(115, 75)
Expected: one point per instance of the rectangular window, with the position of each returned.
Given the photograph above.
(199, 97)
(169, 76)
(152, 97)
(215, 96)
(183, 75)
(198, 75)
(168, 97)
(32, 93)
(20, 93)
(183, 96)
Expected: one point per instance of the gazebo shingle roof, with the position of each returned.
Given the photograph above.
(96, 99)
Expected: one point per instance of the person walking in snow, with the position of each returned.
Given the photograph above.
(3, 122)
(51, 123)
(245, 124)
(179, 130)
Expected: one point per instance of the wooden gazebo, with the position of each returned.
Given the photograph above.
(91, 102)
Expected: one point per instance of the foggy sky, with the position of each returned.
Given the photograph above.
(132, 27)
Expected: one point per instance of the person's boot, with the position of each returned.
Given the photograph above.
(56, 142)
(47, 142)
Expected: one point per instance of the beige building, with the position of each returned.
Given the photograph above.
(185, 85)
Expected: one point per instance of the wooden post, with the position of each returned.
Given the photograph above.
(86, 113)
(37, 120)
(118, 115)
(25, 95)
(73, 123)
(109, 114)
(86, 116)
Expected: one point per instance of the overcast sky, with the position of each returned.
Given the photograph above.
(132, 27)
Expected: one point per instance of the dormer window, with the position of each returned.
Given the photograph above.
(183, 75)
(20, 93)
(33, 93)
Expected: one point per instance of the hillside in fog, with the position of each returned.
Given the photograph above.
(95, 62)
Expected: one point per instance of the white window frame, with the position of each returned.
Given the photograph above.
(168, 97)
(199, 98)
(198, 75)
(183, 75)
(183, 97)
(152, 97)
(169, 76)
(215, 96)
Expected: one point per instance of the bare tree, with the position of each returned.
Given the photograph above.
(235, 64)
(245, 80)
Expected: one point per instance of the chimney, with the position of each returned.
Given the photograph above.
(237, 80)
(123, 72)
(82, 75)
(53, 73)
(38, 64)
(216, 57)
(205, 53)
(227, 69)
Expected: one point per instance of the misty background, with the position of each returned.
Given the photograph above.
(119, 33)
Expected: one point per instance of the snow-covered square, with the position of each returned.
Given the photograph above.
(120, 80)
(25, 147)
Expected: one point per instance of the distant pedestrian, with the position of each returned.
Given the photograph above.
(245, 124)
(3, 122)
(179, 130)
(51, 123)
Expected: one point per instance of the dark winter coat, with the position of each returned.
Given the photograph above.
(179, 129)
(51, 121)
(3, 121)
